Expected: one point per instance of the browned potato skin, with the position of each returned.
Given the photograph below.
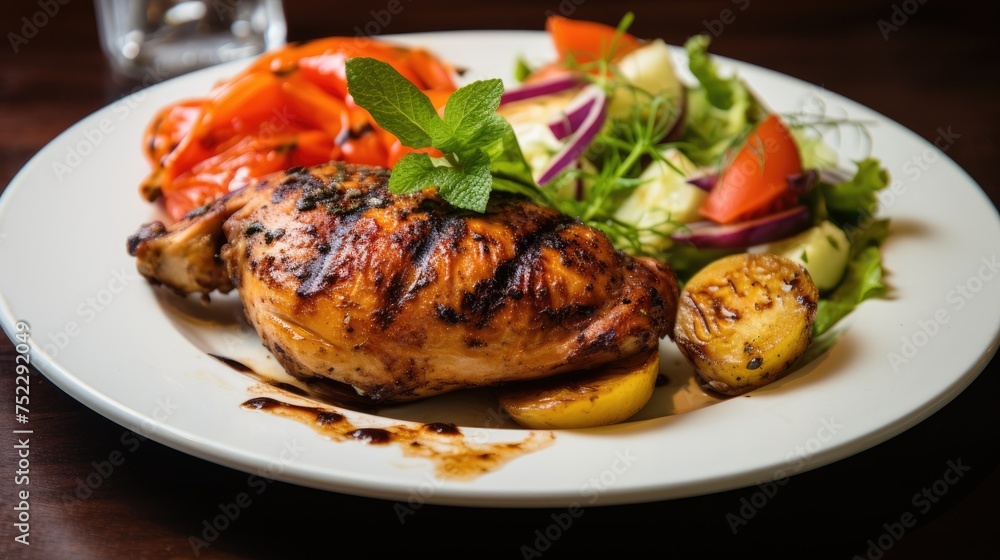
(601, 396)
(744, 320)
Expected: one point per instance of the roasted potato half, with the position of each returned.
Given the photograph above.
(743, 320)
(596, 397)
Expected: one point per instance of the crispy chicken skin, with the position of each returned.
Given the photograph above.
(186, 258)
(404, 297)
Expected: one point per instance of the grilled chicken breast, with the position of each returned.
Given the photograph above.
(404, 297)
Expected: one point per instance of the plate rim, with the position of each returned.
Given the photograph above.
(99, 402)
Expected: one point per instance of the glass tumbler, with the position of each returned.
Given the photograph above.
(151, 40)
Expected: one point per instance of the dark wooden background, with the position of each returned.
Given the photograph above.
(938, 69)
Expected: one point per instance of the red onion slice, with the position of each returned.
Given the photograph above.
(803, 182)
(575, 113)
(539, 88)
(834, 176)
(578, 143)
(677, 128)
(571, 121)
(800, 184)
(709, 235)
(704, 182)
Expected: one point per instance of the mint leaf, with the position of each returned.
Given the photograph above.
(468, 114)
(507, 160)
(479, 146)
(467, 187)
(393, 101)
(414, 172)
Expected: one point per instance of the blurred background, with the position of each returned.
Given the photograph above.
(913, 68)
(928, 64)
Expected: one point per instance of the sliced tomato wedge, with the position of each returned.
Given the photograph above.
(755, 182)
(587, 41)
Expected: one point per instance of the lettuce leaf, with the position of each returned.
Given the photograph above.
(719, 110)
(853, 201)
(814, 151)
(720, 92)
(863, 280)
(852, 204)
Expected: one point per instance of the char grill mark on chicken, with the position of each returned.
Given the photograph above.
(403, 297)
(186, 257)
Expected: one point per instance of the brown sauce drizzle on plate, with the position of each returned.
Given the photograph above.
(454, 455)
(320, 389)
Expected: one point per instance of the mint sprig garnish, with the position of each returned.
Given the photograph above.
(393, 101)
(479, 145)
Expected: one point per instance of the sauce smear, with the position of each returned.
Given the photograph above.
(454, 455)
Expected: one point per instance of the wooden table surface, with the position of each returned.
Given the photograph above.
(935, 71)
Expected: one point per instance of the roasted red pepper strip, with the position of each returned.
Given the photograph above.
(290, 107)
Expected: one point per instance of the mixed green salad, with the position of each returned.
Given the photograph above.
(683, 172)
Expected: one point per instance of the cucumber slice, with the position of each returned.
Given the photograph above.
(823, 250)
(663, 200)
(650, 68)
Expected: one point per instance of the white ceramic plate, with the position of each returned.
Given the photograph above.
(131, 353)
